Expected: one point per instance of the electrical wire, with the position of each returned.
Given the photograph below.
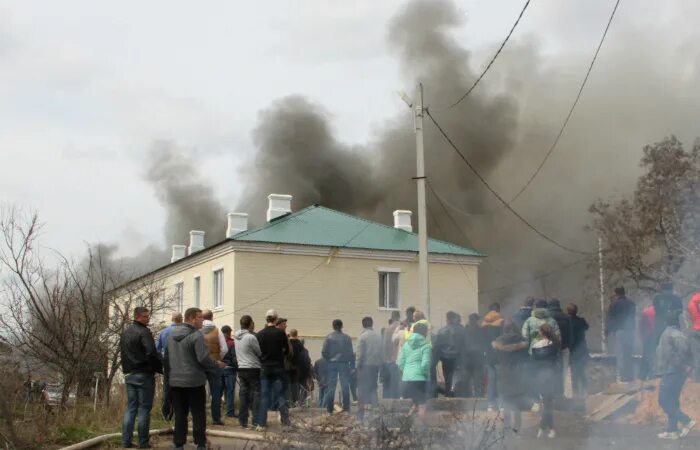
(571, 110)
(493, 59)
(497, 195)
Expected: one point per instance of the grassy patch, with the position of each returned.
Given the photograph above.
(71, 434)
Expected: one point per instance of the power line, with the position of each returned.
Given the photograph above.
(497, 195)
(571, 110)
(493, 59)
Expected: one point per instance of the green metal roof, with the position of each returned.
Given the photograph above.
(320, 226)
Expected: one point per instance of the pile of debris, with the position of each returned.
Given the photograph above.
(638, 403)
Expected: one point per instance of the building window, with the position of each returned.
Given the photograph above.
(389, 290)
(218, 288)
(179, 288)
(196, 291)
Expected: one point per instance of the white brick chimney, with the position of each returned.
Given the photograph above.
(196, 241)
(179, 252)
(237, 223)
(402, 220)
(278, 205)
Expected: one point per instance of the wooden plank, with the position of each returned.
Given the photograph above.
(606, 403)
(612, 408)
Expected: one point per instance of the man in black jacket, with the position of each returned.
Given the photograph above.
(337, 351)
(140, 362)
(622, 323)
(564, 323)
(449, 348)
(274, 347)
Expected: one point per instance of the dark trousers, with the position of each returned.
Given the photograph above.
(391, 380)
(228, 383)
(249, 395)
(473, 378)
(214, 380)
(492, 387)
(190, 400)
(624, 351)
(338, 371)
(579, 383)
(272, 393)
(449, 366)
(547, 417)
(669, 400)
(367, 377)
(140, 389)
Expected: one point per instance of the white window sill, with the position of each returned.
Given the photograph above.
(388, 309)
(218, 309)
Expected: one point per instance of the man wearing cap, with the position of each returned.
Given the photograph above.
(274, 347)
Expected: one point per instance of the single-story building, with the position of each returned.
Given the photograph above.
(315, 265)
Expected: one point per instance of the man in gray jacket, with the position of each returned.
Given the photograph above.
(248, 354)
(673, 360)
(187, 361)
(369, 359)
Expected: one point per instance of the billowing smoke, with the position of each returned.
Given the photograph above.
(189, 201)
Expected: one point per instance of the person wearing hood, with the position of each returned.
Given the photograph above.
(578, 352)
(666, 304)
(622, 320)
(188, 364)
(524, 312)
(248, 355)
(540, 316)
(473, 358)
(511, 352)
(694, 312)
(449, 347)
(216, 343)
(673, 362)
(545, 354)
(414, 362)
(492, 324)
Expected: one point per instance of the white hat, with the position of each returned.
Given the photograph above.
(271, 313)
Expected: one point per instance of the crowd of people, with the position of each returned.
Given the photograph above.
(517, 363)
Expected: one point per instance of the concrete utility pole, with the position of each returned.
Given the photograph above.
(603, 341)
(422, 222)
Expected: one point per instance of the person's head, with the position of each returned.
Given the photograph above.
(367, 322)
(541, 303)
(207, 314)
(281, 323)
(337, 324)
(271, 317)
(620, 291)
(142, 315)
(554, 304)
(474, 319)
(667, 286)
(226, 330)
(418, 315)
(572, 309)
(452, 318)
(546, 331)
(294, 334)
(193, 316)
(395, 317)
(176, 317)
(247, 323)
(673, 319)
(421, 329)
(410, 311)
(510, 327)
(495, 307)
(529, 302)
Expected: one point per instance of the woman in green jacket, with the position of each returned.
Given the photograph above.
(414, 363)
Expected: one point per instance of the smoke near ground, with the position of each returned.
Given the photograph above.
(638, 93)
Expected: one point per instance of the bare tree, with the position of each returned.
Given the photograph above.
(654, 236)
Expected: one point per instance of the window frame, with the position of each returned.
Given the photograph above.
(179, 295)
(197, 290)
(384, 278)
(217, 291)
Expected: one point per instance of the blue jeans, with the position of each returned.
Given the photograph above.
(228, 381)
(669, 400)
(492, 387)
(215, 388)
(140, 388)
(272, 393)
(338, 371)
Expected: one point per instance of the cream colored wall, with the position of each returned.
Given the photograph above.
(344, 288)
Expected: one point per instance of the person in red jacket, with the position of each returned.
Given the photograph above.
(647, 325)
(694, 311)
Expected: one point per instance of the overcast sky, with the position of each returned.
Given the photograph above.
(86, 87)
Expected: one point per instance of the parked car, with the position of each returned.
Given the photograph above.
(51, 395)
